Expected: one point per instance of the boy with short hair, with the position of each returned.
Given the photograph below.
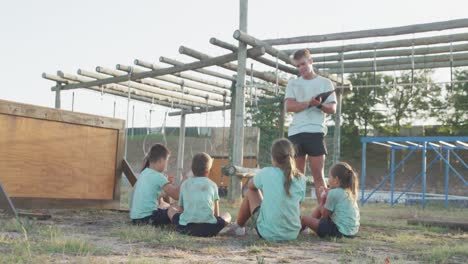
(198, 202)
(151, 183)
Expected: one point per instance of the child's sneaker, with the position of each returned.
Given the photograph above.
(233, 230)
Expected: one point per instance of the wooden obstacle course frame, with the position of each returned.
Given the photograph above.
(18, 111)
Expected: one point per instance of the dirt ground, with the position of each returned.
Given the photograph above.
(105, 236)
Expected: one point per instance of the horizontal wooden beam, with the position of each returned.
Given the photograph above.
(393, 53)
(246, 38)
(122, 91)
(268, 77)
(254, 52)
(417, 66)
(263, 60)
(173, 91)
(389, 44)
(213, 86)
(203, 71)
(393, 61)
(372, 33)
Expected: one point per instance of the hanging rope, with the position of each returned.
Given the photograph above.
(251, 86)
(451, 64)
(206, 125)
(412, 63)
(277, 77)
(375, 70)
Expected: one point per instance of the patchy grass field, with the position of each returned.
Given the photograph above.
(103, 236)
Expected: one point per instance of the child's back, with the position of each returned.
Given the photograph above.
(198, 196)
(147, 189)
(279, 217)
(345, 211)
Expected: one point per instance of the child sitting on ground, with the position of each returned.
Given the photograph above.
(339, 215)
(146, 206)
(198, 214)
(273, 197)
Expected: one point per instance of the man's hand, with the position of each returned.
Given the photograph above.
(315, 101)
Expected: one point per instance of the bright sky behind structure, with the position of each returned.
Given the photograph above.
(50, 35)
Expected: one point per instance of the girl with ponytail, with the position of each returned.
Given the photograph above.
(339, 215)
(273, 198)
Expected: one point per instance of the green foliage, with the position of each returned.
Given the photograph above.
(453, 109)
(266, 118)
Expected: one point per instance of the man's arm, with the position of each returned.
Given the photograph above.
(294, 106)
(329, 108)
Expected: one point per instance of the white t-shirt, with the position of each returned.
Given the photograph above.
(312, 119)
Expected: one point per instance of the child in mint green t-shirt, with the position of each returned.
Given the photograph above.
(274, 197)
(198, 212)
(146, 207)
(339, 215)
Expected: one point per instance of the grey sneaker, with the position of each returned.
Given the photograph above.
(233, 230)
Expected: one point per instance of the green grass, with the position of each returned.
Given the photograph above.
(384, 234)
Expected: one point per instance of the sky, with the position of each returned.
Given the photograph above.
(50, 35)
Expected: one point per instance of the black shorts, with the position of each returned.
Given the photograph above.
(199, 229)
(254, 218)
(312, 144)
(159, 217)
(328, 228)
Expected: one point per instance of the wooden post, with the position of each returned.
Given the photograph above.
(180, 149)
(235, 192)
(57, 95)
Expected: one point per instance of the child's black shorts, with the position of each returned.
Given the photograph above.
(328, 228)
(199, 229)
(312, 144)
(159, 217)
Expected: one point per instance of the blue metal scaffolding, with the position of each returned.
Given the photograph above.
(440, 145)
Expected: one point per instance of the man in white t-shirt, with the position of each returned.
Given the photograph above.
(307, 130)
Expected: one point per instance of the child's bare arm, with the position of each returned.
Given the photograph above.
(216, 208)
(172, 190)
(251, 185)
(325, 212)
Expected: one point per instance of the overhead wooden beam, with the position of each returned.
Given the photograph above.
(154, 87)
(203, 71)
(389, 44)
(263, 60)
(427, 65)
(183, 92)
(122, 91)
(213, 86)
(393, 53)
(371, 33)
(154, 73)
(246, 38)
(231, 66)
(394, 61)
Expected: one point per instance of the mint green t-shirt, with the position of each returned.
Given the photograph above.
(198, 196)
(310, 120)
(145, 194)
(345, 211)
(279, 217)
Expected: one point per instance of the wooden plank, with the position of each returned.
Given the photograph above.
(63, 160)
(128, 171)
(119, 158)
(439, 223)
(34, 203)
(5, 202)
(216, 174)
(39, 112)
(371, 33)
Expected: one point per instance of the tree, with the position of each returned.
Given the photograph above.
(453, 111)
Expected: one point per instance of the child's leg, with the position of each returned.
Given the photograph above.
(312, 220)
(226, 217)
(252, 200)
(171, 212)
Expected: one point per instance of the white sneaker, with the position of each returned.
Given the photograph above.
(233, 230)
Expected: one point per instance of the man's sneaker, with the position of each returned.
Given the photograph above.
(233, 230)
